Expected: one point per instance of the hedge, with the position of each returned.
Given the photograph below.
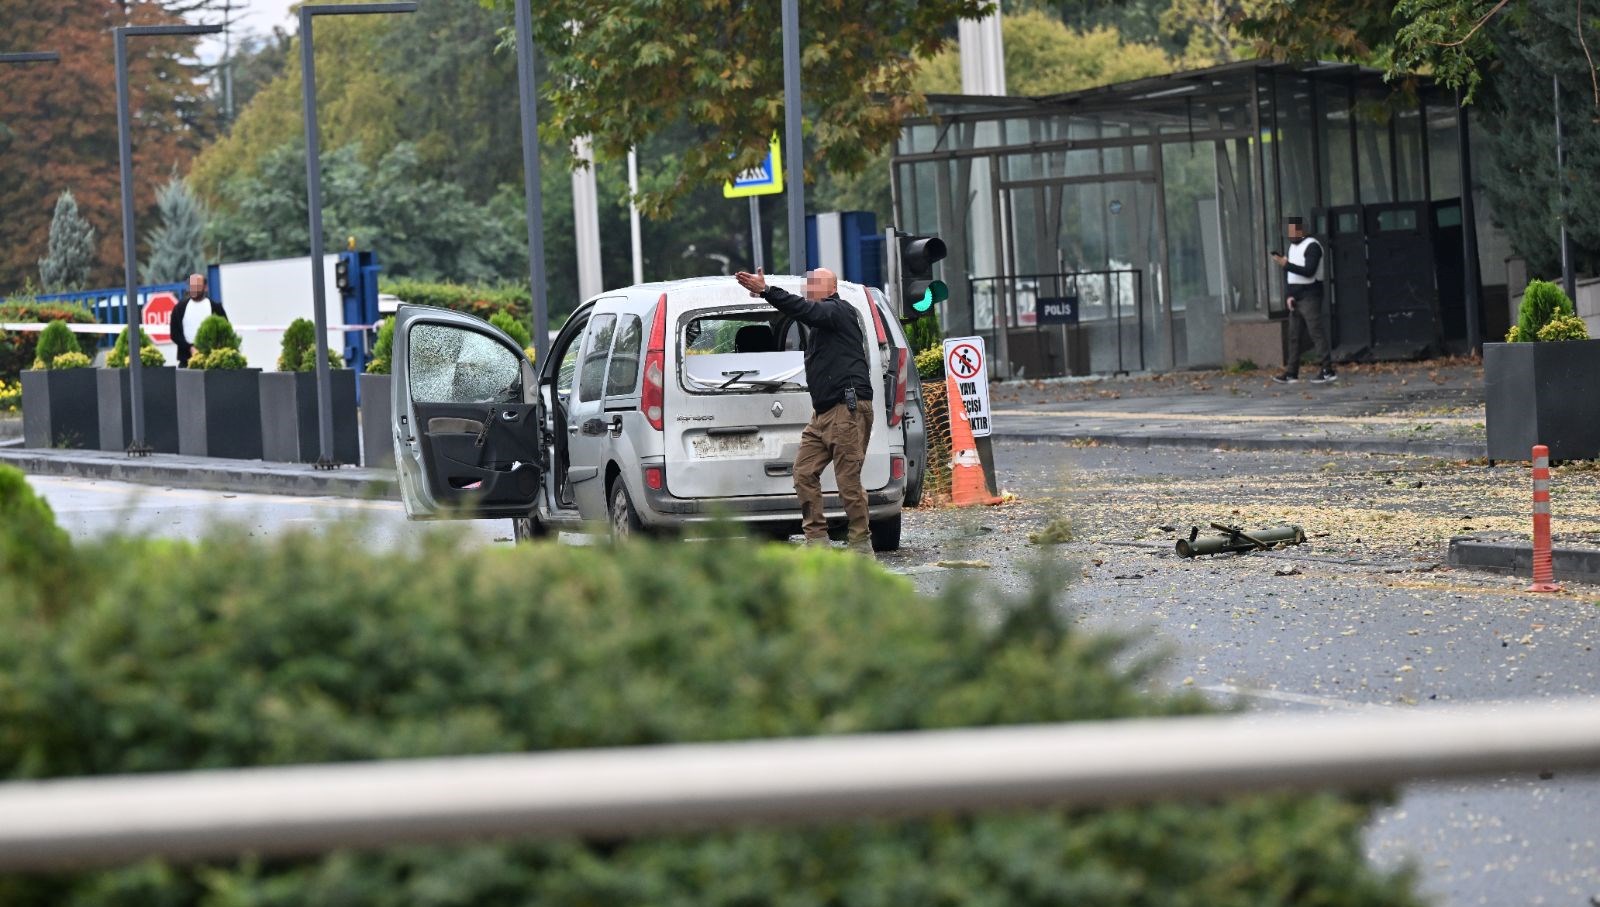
(313, 647)
(17, 347)
(483, 302)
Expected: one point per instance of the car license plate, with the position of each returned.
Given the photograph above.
(711, 448)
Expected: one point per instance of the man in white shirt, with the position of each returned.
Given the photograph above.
(1308, 312)
(189, 314)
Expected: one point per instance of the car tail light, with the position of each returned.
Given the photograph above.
(653, 401)
(902, 379)
(877, 323)
(897, 467)
(655, 477)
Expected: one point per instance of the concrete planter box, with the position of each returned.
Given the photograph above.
(160, 390)
(60, 408)
(1542, 393)
(377, 427)
(289, 417)
(219, 413)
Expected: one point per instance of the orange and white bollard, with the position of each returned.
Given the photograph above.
(1544, 579)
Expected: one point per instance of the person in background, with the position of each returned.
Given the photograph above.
(841, 401)
(189, 314)
(1308, 310)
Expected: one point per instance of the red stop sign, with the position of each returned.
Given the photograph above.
(158, 316)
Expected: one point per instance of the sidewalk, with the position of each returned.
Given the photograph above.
(248, 476)
(1430, 409)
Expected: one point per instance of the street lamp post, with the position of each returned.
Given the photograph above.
(794, 152)
(136, 445)
(532, 191)
(319, 315)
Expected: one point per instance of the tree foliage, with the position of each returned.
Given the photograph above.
(314, 647)
(1045, 57)
(58, 124)
(177, 244)
(1208, 31)
(66, 267)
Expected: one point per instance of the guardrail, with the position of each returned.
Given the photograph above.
(629, 791)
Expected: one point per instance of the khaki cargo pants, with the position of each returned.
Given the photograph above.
(838, 436)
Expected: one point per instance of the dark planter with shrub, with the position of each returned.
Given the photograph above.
(1542, 393)
(219, 413)
(289, 417)
(159, 387)
(377, 426)
(59, 408)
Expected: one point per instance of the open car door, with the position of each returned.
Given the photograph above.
(466, 418)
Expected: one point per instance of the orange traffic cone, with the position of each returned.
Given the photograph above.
(967, 486)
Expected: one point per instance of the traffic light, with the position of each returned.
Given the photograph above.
(919, 291)
(341, 274)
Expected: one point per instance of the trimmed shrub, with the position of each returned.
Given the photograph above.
(71, 359)
(19, 349)
(314, 647)
(1564, 327)
(55, 340)
(222, 359)
(483, 302)
(215, 333)
(298, 346)
(514, 329)
(37, 563)
(148, 354)
(930, 363)
(925, 332)
(10, 396)
(1541, 301)
(382, 349)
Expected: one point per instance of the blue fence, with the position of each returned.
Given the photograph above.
(110, 306)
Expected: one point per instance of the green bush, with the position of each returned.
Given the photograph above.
(55, 340)
(37, 563)
(313, 647)
(925, 332)
(383, 349)
(1541, 302)
(18, 349)
(222, 359)
(1564, 327)
(298, 347)
(148, 354)
(483, 302)
(930, 363)
(215, 333)
(10, 395)
(70, 359)
(513, 328)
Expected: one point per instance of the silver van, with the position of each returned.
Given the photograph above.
(660, 405)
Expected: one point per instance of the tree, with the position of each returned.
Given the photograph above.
(58, 125)
(1044, 57)
(71, 255)
(177, 245)
(1208, 30)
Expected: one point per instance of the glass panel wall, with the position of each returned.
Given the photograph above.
(1410, 185)
(1334, 136)
(1444, 151)
(1374, 160)
(1296, 130)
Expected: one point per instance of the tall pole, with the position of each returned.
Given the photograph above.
(532, 191)
(1470, 274)
(1561, 198)
(755, 232)
(633, 216)
(793, 149)
(319, 314)
(136, 445)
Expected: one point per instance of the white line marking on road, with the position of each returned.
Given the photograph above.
(1296, 698)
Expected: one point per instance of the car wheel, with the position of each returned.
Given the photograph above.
(530, 529)
(624, 519)
(886, 533)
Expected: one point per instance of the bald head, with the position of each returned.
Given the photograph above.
(197, 286)
(820, 284)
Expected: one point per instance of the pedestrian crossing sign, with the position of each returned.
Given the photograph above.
(765, 178)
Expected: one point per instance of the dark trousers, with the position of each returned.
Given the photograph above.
(840, 437)
(1309, 316)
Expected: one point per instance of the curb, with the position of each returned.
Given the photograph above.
(1451, 450)
(212, 475)
(1580, 565)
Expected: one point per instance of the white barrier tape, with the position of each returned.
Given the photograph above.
(118, 328)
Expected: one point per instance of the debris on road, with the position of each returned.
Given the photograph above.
(1235, 539)
(1057, 532)
(965, 565)
(1287, 570)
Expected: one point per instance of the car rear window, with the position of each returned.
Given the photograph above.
(742, 352)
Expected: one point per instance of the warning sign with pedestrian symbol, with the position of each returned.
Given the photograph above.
(965, 364)
(765, 178)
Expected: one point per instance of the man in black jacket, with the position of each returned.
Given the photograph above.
(841, 400)
(1308, 313)
(189, 314)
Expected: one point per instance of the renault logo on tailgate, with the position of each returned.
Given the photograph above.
(777, 409)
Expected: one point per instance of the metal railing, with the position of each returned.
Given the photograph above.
(107, 306)
(1104, 298)
(623, 792)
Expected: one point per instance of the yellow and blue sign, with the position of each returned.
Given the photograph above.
(766, 178)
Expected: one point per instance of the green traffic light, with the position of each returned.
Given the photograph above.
(936, 292)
